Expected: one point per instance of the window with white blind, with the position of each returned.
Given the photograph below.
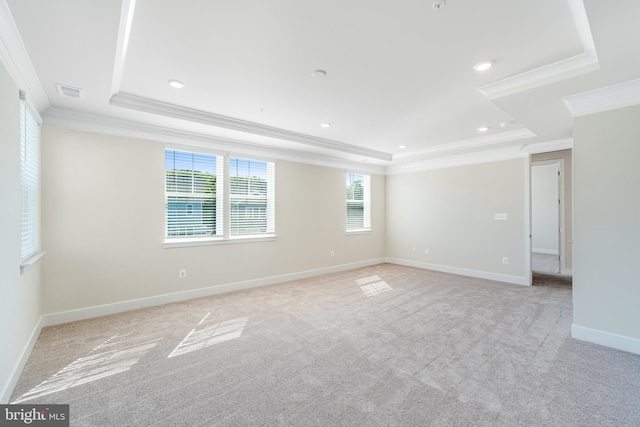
(252, 196)
(358, 202)
(29, 182)
(193, 194)
(203, 190)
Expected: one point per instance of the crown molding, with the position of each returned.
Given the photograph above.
(602, 99)
(457, 160)
(124, 32)
(486, 156)
(153, 106)
(86, 122)
(15, 58)
(482, 141)
(561, 70)
(567, 68)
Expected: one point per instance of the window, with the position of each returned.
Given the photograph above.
(202, 190)
(252, 195)
(29, 181)
(192, 183)
(358, 202)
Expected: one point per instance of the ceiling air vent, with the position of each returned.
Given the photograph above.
(70, 91)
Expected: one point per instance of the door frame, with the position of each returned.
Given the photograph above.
(561, 211)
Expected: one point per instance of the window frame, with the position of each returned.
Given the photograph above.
(223, 203)
(366, 203)
(30, 184)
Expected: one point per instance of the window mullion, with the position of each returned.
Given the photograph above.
(227, 198)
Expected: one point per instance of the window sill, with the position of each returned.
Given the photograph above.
(209, 241)
(30, 261)
(363, 231)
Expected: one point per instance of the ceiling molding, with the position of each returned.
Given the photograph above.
(483, 141)
(602, 99)
(548, 146)
(124, 32)
(505, 153)
(567, 68)
(153, 106)
(457, 160)
(86, 122)
(15, 58)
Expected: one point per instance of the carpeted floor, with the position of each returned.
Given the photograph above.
(379, 346)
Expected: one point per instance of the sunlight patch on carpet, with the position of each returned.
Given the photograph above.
(117, 354)
(369, 279)
(375, 288)
(217, 333)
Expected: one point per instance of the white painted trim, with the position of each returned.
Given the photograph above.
(547, 74)
(8, 388)
(195, 241)
(603, 99)
(459, 160)
(607, 339)
(15, 58)
(545, 251)
(153, 106)
(548, 146)
(570, 67)
(567, 272)
(528, 271)
(581, 21)
(119, 307)
(516, 280)
(124, 31)
(87, 122)
(31, 261)
(483, 141)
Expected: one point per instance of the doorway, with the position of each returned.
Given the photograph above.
(547, 217)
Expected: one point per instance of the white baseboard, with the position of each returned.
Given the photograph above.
(119, 307)
(545, 251)
(607, 339)
(8, 388)
(517, 280)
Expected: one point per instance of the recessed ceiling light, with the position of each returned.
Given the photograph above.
(325, 124)
(318, 74)
(439, 4)
(483, 128)
(483, 66)
(402, 146)
(176, 84)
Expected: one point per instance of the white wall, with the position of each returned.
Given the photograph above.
(451, 212)
(606, 283)
(545, 214)
(103, 203)
(20, 293)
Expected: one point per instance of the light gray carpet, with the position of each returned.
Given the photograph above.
(379, 346)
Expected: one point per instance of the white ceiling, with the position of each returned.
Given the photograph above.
(398, 73)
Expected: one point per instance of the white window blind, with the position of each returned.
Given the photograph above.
(358, 202)
(251, 196)
(29, 181)
(194, 196)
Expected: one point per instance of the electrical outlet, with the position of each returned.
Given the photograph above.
(505, 260)
(414, 250)
(426, 251)
(182, 273)
(332, 254)
(501, 217)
